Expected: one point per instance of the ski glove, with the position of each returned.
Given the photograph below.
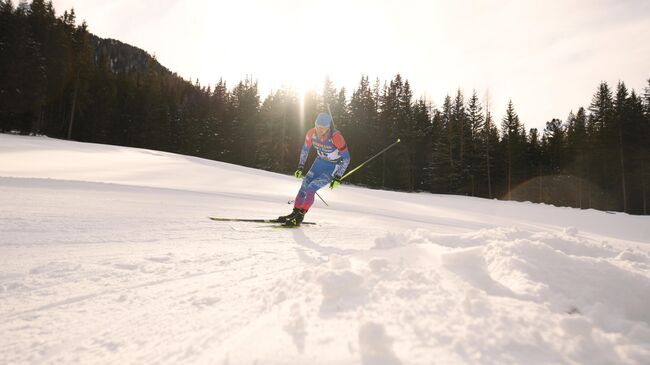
(336, 181)
(298, 173)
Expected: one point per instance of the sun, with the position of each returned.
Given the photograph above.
(298, 65)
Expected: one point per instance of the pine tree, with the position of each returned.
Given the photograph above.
(603, 139)
(601, 108)
(422, 138)
(394, 116)
(364, 127)
(621, 116)
(438, 160)
(221, 121)
(23, 78)
(246, 103)
(459, 137)
(475, 121)
(554, 154)
(9, 26)
(636, 141)
(82, 67)
(97, 117)
(56, 48)
(341, 111)
(444, 167)
(490, 143)
(404, 163)
(645, 151)
(578, 151)
(329, 98)
(554, 134)
(513, 138)
(534, 166)
(276, 111)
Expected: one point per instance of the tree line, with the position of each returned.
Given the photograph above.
(59, 80)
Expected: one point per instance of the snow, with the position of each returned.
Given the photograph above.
(107, 256)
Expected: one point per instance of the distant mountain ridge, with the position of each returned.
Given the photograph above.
(124, 57)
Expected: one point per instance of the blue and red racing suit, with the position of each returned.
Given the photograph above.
(333, 158)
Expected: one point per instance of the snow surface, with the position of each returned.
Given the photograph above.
(107, 256)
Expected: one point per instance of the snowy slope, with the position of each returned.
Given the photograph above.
(106, 256)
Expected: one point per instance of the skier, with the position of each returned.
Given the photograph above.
(328, 168)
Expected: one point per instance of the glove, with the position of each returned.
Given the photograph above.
(336, 181)
(298, 173)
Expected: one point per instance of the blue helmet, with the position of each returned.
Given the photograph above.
(324, 120)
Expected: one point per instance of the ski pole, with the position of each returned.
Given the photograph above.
(322, 199)
(370, 159)
(293, 200)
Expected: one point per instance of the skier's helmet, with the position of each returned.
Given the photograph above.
(323, 120)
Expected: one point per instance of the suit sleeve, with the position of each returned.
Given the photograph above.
(304, 153)
(340, 144)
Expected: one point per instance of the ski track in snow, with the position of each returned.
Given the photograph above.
(97, 272)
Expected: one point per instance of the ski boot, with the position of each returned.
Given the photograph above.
(285, 218)
(296, 219)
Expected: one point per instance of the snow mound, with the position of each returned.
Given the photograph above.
(107, 257)
(376, 345)
(594, 293)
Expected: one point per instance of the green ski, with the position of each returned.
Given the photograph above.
(283, 226)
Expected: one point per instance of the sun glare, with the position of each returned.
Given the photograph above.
(295, 47)
(302, 50)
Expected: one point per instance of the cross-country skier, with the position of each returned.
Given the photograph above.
(328, 168)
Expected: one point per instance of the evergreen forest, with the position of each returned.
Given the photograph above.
(59, 80)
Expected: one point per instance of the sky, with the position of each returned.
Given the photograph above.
(547, 56)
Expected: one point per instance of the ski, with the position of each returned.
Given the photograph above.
(283, 226)
(218, 219)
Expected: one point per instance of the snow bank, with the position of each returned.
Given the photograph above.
(502, 295)
(590, 296)
(107, 256)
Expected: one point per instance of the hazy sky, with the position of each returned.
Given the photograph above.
(548, 56)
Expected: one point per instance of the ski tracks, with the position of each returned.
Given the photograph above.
(137, 308)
